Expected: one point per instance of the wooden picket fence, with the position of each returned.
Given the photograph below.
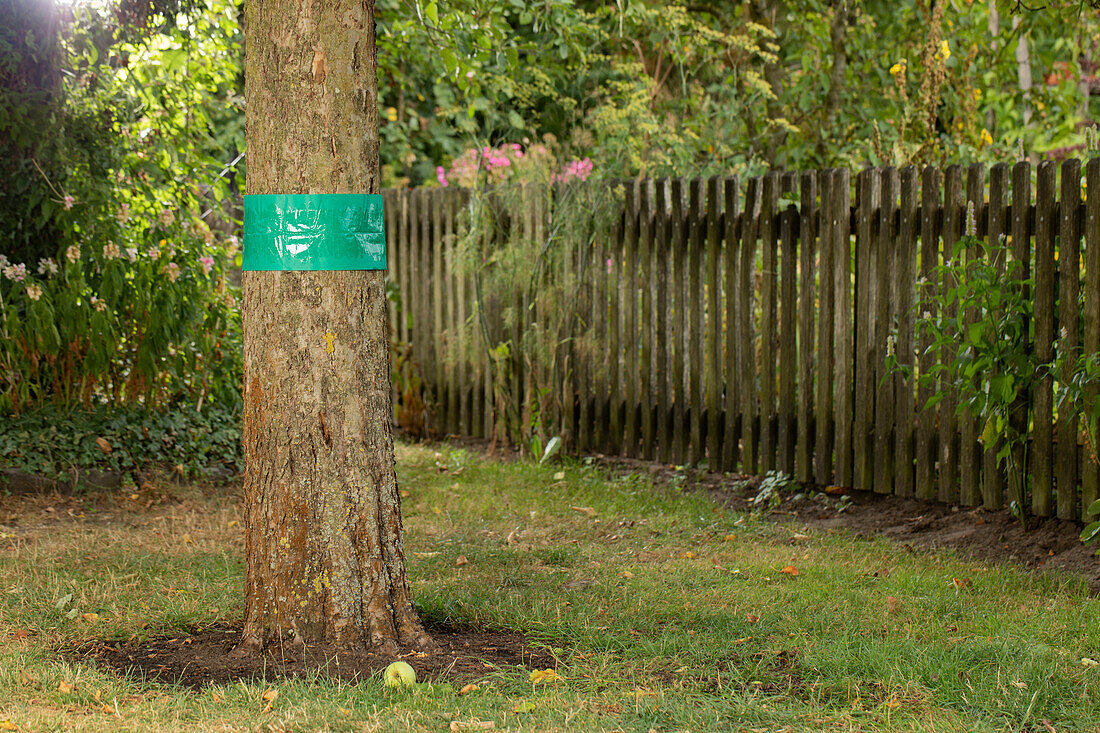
(747, 327)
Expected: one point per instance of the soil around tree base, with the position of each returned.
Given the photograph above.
(202, 658)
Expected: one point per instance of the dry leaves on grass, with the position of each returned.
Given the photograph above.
(8, 725)
(790, 570)
(585, 510)
(544, 675)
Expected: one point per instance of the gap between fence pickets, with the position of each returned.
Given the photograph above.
(743, 326)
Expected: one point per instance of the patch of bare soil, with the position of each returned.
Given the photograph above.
(202, 658)
(1042, 544)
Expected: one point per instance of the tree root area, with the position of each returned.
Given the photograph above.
(203, 658)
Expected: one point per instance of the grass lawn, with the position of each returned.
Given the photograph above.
(666, 612)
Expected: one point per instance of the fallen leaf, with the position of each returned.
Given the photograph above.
(790, 570)
(524, 706)
(689, 555)
(65, 687)
(1089, 662)
(1050, 728)
(730, 537)
(800, 537)
(187, 538)
(270, 695)
(960, 583)
(1017, 683)
(752, 618)
(468, 689)
(585, 510)
(89, 617)
(626, 574)
(544, 675)
(511, 539)
(8, 725)
(234, 523)
(473, 724)
(20, 634)
(426, 555)
(836, 490)
(892, 604)
(216, 697)
(559, 476)
(27, 678)
(460, 561)
(103, 445)
(343, 711)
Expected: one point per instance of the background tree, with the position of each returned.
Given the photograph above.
(325, 562)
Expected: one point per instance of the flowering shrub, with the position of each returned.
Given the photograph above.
(511, 163)
(116, 319)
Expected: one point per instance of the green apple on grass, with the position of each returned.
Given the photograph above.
(399, 674)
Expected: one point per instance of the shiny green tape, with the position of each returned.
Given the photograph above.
(336, 231)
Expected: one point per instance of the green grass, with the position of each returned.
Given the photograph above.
(683, 620)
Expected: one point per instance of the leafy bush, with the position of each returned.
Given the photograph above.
(120, 294)
(63, 444)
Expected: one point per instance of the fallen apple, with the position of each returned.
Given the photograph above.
(399, 674)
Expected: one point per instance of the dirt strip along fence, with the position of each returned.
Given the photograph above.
(744, 326)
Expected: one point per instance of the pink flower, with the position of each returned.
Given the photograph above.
(34, 292)
(207, 263)
(98, 304)
(172, 271)
(441, 175)
(68, 202)
(123, 214)
(16, 273)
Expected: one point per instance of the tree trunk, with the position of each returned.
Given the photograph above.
(325, 563)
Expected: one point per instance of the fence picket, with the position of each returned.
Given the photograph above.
(844, 318)
(731, 452)
(788, 324)
(1090, 324)
(769, 243)
(696, 365)
(905, 290)
(746, 333)
(1069, 273)
(997, 230)
(953, 216)
(807, 230)
(927, 445)
(866, 263)
(714, 329)
(1043, 409)
(885, 320)
(1022, 228)
(663, 369)
(970, 466)
(649, 320)
(824, 442)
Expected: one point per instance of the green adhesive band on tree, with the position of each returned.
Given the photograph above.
(336, 231)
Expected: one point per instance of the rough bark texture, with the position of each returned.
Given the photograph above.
(325, 563)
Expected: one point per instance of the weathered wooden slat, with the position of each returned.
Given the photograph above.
(678, 332)
(970, 462)
(405, 264)
(648, 322)
(997, 231)
(631, 302)
(926, 443)
(825, 440)
(453, 344)
(885, 318)
(731, 379)
(696, 298)
(714, 323)
(843, 314)
(614, 256)
(1069, 272)
(599, 357)
(390, 205)
(583, 353)
(954, 215)
(1090, 325)
(769, 331)
(807, 310)
(1042, 446)
(905, 295)
(1022, 229)
(746, 336)
(567, 347)
(788, 328)
(664, 323)
(866, 263)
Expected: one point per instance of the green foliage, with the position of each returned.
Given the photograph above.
(127, 299)
(976, 316)
(61, 444)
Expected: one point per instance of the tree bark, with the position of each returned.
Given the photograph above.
(325, 562)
